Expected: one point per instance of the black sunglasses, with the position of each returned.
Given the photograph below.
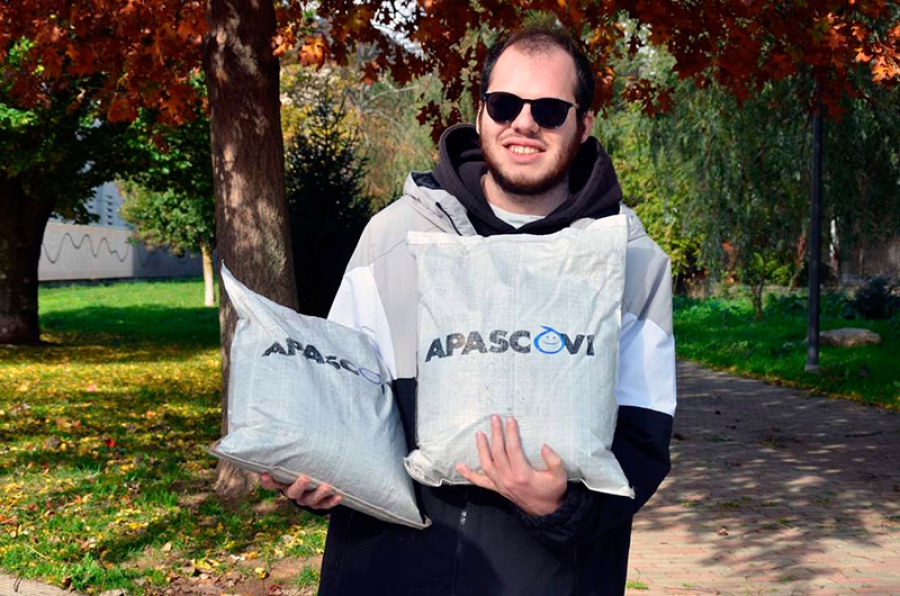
(547, 112)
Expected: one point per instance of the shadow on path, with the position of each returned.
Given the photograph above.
(773, 491)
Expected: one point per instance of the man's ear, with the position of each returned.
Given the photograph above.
(478, 117)
(588, 126)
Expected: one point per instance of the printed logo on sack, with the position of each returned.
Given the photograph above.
(310, 352)
(548, 341)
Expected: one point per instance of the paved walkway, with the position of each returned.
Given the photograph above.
(12, 586)
(772, 492)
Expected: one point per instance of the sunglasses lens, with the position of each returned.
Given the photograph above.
(549, 112)
(504, 107)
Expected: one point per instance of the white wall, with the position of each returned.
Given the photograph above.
(74, 252)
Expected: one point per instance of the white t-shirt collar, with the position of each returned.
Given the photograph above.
(516, 220)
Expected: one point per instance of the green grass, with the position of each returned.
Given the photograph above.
(151, 312)
(104, 480)
(722, 334)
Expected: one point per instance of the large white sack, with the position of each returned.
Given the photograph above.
(308, 396)
(525, 326)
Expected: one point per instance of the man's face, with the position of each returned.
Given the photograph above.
(523, 158)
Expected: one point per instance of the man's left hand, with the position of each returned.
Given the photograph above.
(506, 470)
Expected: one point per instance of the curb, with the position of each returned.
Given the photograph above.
(16, 586)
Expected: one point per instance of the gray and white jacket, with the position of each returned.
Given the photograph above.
(479, 543)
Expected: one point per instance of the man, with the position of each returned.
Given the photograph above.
(528, 166)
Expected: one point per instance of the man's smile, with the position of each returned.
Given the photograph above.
(523, 150)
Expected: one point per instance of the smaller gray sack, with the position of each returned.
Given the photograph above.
(308, 396)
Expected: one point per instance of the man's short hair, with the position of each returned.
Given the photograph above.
(542, 38)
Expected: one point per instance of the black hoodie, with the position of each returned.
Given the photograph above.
(594, 190)
(479, 543)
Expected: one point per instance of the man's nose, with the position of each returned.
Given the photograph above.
(524, 122)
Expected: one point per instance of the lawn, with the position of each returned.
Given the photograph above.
(104, 478)
(722, 334)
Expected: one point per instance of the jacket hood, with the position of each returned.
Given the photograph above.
(594, 190)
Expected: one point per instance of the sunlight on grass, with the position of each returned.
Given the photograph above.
(722, 334)
(104, 478)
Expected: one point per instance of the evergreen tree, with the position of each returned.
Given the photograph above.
(327, 202)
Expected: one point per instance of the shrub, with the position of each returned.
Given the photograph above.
(837, 305)
(786, 305)
(875, 299)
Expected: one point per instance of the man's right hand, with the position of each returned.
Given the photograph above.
(300, 492)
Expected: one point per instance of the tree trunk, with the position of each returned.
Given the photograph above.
(253, 237)
(206, 256)
(756, 297)
(22, 223)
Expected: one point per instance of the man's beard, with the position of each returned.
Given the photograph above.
(533, 188)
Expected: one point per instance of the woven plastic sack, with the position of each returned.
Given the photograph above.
(308, 396)
(525, 326)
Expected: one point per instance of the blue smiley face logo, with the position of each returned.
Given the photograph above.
(548, 341)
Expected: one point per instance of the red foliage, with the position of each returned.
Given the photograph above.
(124, 55)
(143, 53)
(738, 44)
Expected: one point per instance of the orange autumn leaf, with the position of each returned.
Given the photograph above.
(313, 51)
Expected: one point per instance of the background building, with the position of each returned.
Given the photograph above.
(106, 249)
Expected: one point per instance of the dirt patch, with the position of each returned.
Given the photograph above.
(280, 580)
